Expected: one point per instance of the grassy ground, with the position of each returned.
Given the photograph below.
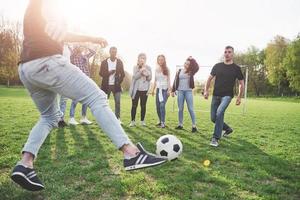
(260, 161)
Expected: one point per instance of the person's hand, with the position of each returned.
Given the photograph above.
(111, 72)
(238, 101)
(206, 94)
(172, 94)
(99, 40)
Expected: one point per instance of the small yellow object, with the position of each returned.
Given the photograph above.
(206, 163)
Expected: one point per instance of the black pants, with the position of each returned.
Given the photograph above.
(143, 96)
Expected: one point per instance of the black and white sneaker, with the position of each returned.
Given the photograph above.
(227, 132)
(214, 142)
(142, 160)
(26, 178)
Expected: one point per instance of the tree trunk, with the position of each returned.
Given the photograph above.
(7, 83)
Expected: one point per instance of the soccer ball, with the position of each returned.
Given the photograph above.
(168, 146)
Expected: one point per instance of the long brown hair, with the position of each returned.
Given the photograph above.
(164, 67)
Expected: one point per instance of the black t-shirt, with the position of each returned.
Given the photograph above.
(226, 76)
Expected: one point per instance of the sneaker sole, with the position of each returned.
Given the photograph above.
(135, 167)
(213, 145)
(25, 183)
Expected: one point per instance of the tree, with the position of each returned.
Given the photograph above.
(253, 59)
(10, 45)
(276, 71)
(292, 64)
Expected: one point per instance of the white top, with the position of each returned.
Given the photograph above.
(111, 66)
(161, 80)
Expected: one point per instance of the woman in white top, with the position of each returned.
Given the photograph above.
(163, 88)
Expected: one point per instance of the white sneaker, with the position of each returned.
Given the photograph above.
(143, 123)
(72, 121)
(132, 123)
(120, 121)
(85, 121)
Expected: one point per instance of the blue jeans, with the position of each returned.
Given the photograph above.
(62, 106)
(161, 106)
(185, 95)
(46, 77)
(73, 107)
(218, 107)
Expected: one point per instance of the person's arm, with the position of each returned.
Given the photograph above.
(241, 92)
(91, 53)
(136, 73)
(207, 85)
(122, 72)
(73, 37)
(148, 74)
(101, 71)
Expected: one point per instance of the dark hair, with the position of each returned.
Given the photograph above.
(229, 47)
(193, 64)
(113, 47)
(164, 67)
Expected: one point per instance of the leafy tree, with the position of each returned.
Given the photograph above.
(292, 64)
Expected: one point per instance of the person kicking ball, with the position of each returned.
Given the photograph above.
(225, 75)
(45, 73)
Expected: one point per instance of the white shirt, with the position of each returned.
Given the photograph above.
(111, 66)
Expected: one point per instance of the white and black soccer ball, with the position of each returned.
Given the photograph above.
(168, 146)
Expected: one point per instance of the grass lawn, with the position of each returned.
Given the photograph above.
(261, 160)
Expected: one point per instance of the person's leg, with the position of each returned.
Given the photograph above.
(158, 105)
(83, 110)
(143, 104)
(190, 105)
(134, 105)
(117, 98)
(180, 102)
(72, 109)
(219, 122)
(62, 106)
(162, 106)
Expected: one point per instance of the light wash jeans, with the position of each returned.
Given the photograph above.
(185, 95)
(73, 107)
(161, 106)
(62, 106)
(46, 77)
(218, 107)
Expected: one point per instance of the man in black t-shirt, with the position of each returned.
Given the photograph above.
(225, 75)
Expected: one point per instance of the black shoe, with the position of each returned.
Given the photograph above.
(62, 124)
(179, 127)
(26, 178)
(158, 124)
(142, 160)
(194, 129)
(227, 132)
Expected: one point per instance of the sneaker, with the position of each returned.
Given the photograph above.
(72, 121)
(227, 132)
(214, 142)
(62, 124)
(85, 121)
(143, 123)
(132, 123)
(179, 127)
(26, 178)
(158, 124)
(194, 129)
(142, 160)
(163, 125)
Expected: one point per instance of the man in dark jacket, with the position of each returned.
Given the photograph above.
(112, 73)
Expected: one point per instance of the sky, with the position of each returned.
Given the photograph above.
(177, 28)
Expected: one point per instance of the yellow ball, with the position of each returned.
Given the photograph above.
(206, 163)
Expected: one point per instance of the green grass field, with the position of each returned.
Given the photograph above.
(261, 160)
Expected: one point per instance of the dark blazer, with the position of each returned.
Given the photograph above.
(193, 71)
(119, 76)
